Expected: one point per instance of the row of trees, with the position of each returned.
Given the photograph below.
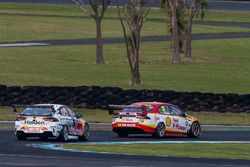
(180, 14)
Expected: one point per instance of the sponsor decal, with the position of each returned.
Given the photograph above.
(34, 122)
(79, 126)
(126, 125)
(168, 121)
(186, 123)
(33, 130)
(157, 118)
(175, 120)
(179, 127)
(128, 119)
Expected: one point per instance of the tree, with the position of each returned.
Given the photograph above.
(171, 8)
(98, 9)
(132, 16)
(181, 23)
(193, 8)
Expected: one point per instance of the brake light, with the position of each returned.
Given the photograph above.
(51, 119)
(21, 118)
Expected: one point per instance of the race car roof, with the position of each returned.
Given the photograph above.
(56, 106)
(149, 103)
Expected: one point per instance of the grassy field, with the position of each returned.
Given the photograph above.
(52, 28)
(228, 151)
(41, 22)
(102, 116)
(217, 66)
(72, 10)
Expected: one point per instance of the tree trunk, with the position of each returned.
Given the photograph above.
(188, 47)
(99, 42)
(175, 36)
(136, 78)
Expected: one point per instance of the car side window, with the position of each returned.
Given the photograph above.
(166, 111)
(163, 110)
(63, 112)
(175, 111)
(71, 113)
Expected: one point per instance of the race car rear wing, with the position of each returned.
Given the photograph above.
(112, 108)
(15, 107)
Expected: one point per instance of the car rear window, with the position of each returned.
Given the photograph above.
(38, 111)
(138, 109)
(132, 110)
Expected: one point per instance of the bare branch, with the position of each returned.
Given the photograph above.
(80, 4)
(126, 39)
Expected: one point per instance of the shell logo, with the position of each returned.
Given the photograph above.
(168, 121)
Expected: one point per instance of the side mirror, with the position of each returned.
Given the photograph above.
(78, 115)
(184, 114)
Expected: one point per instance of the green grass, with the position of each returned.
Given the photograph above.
(217, 66)
(50, 27)
(227, 151)
(102, 116)
(72, 10)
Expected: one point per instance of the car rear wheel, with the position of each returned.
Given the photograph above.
(85, 135)
(159, 131)
(64, 135)
(21, 136)
(195, 130)
(122, 134)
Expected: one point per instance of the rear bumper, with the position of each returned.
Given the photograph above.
(44, 134)
(132, 128)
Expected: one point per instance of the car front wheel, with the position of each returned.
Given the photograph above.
(195, 130)
(85, 135)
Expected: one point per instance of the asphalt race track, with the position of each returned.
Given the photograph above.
(15, 153)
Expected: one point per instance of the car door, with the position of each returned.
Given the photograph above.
(73, 117)
(66, 119)
(166, 117)
(179, 121)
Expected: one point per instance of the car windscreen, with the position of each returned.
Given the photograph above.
(37, 111)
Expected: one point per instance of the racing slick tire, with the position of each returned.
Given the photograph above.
(122, 134)
(21, 136)
(85, 135)
(64, 134)
(159, 131)
(195, 130)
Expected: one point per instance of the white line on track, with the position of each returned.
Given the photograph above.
(23, 44)
(50, 146)
(163, 142)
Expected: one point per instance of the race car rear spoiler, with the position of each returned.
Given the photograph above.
(111, 108)
(15, 107)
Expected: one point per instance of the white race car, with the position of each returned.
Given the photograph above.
(50, 120)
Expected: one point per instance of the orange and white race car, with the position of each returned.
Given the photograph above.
(156, 118)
